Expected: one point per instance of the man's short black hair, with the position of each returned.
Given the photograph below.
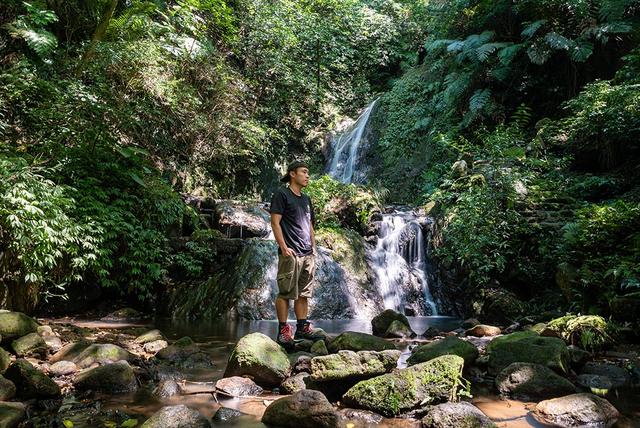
(292, 167)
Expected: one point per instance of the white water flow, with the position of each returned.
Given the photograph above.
(345, 148)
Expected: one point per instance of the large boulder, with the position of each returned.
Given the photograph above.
(109, 378)
(5, 360)
(406, 389)
(482, 330)
(499, 306)
(179, 416)
(7, 389)
(179, 351)
(70, 351)
(527, 347)
(350, 364)
(30, 345)
(398, 329)
(381, 322)
(31, 382)
(101, 353)
(259, 357)
(149, 336)
(618, 376)
(237, 220)
(449, 346)
(532, 382)
(63, 368)
(294, 383)
(11, 414)
(16, 324)
(577, 410)
(303, 408)
(459, 415)
(356, 341)
(236, 386)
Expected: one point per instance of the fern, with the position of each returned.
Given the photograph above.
(521, 117)
(581, 51)
(538, 53)
(500, 73)
(30, 28)
(479, 100)
(558, 41)
(506, 54)
(531, 29)
(614, 10)
(484, 51)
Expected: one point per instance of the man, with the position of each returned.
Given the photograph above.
(292, 222)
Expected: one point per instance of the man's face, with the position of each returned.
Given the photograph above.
(300, 176)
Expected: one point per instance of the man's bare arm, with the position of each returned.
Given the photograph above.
(277, 232)
(313, 240)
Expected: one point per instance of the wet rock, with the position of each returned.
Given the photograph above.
(167, 388)
(31, 382)
(303, 408)
(30, 345)
(577, 410)
(302, 364)
(225, 414)
(400, 330)
(527, 347)
(578, 356)
(16, 324)
(11, 414)
(179, 351)
(356, 341)
(459, 415)
(124, 314)
(349, 364)
(63, 368)
(406, 389)
(619, 377)
(448, 346)
(53, 343)
(459, 169)
(154, 346)
(109, 378)
(380, 323)
(532, 382)
(319, 348)
(5, 360)
(499, 306)
(7, 389)
(179, 416)
(359, 418)
(294, 383)
(431, 332)
(70, 351)
(599, 385)
(237, 220)
(303, 345)
(259, 357)
(236, 386)
(469, 323)
(149, 336)
(482, 330)
(102, 353)
(166, 372)
(198, 360)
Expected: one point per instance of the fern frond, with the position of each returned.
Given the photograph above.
(581, 51)
(434, 45)
(506, 54)
(521, 117)
(475, 40)
(532, 27)
(500, 73)
(484, 51)
(558, 41)
(614, 10)
(479, 99)
(40, 40)
(539, 53)
(455, 46)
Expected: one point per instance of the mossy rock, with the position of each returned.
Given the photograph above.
(259, 357)
(176, 416)
(381, 322)
(587, 331)
(458, 415)
(349, 364)
(181, 349)
(499, 306)
(319, 348)
(448, 346)
(31, 382)
(70, 351)
(30, 345)
(528, 347)
(7, 389)
(305, 408)
(5, 360)
(11, 414)
(397, 329)
(532, 382)
(16, 324)
(102, 353)
(110, 378)
(395, 393)
(356, 341)
(149, 336)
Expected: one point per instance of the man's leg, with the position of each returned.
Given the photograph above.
(282, 309)
(301, 308)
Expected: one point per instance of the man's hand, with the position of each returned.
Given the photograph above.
(287, 252)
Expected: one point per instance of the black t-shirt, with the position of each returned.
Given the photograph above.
(297, 218)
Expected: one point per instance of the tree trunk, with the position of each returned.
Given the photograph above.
(98, 35)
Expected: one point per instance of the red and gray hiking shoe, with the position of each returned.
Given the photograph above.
(309, 333)
(284, 337)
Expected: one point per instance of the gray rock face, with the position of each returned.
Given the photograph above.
(155, 346)
(237, 386)
(176, 417)
(459, 415)
(294, 383)
(7, 389)
(259, 357)
(16, 324)
(238, 220)
(303, 408)
(381, 322)
(534, 382)
(11, 414)
(225, 414)
(586, 410)
(356, 341)
(103, 353)
(63, 368)
(110, 378)
(31, 382)
(349, 364)
(618, 376)
(30, 345)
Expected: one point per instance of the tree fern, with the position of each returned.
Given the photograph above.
(531, 29)
(614, 10)
(581, 51)
(484, 51)
(521, 117)
(558, 41)
(506, 54)
(539, 53)
(479, 100)
(31, 29)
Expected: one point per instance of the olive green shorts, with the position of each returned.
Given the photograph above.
(295, 276)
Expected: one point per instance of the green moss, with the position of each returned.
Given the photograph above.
(16, 324)
(448, 346)
(356, 341)
(588, 331)
(528, 347)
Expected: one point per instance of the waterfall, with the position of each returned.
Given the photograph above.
(345, 147)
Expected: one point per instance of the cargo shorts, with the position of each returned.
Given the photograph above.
(295, 276)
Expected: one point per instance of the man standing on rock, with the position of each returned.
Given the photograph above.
(292, 222)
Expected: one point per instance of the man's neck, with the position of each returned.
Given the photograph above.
(295, 188)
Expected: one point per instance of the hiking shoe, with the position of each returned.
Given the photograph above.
(284, 337)
(307, 332)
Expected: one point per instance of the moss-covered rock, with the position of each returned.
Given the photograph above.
(30, 345)
(356, 341)
(149, 336)
(527, 347)
(394, 393)
(319, 348)
(176, 417)
(70, 351)
(458, 415)
(102, 353)
(349, 364)
(110, 378)
(381, 322)
(7, 389)
(294, 383)
(497, 305)
(31, 382)
(305, 408)
(259, 357)
(179, 351)
(5, 360)
(16, 324)
(11, 414)
(448, 346)
(587, 331)
(398, 329)
(532, 382)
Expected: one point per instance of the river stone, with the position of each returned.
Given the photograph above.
(7, 389)
(532, 382)
(319, 348)
(294, 383)
(5, 360)
(109, 378)
(166, 388)
(381, 322)
(259, 357)
(70, 351)
(179, 416)
(101, 353)
(63, 368)
(482, 330)
(597, 384)
(458, 415)
(431, 332)
(226, 414)
(406, 389)
(356, 341)
(31, 382)
(123, 314)
(359, 418)
(303, 408)
(149, 336)
(448, 346)
(236, 386)
(397, 329)
(577, 410)
(197, 360)
(30, 345)
(45, 330)
(155, 346)
(469, 323)
(180, 350)
(302, 363)
(349, 364)
(16, 324)
(11, 414)
(619, 377)
(577, 355)
(53, 343)
(527, 347)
